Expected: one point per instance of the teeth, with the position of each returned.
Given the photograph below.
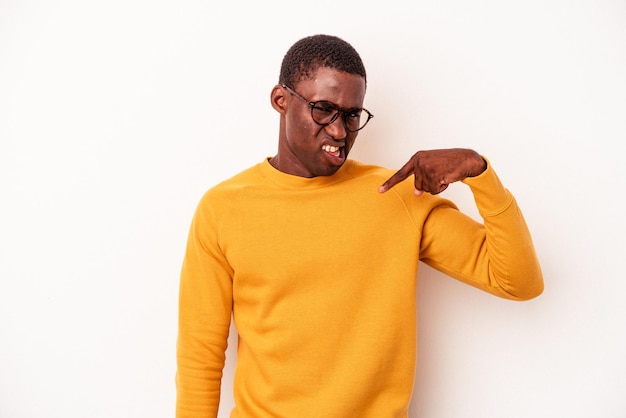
(330, 148)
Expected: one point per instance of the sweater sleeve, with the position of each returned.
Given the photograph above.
(205, 307)
(497, 256)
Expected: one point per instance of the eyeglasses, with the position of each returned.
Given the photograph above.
(324, 113)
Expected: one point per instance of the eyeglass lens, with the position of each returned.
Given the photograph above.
(325, 113)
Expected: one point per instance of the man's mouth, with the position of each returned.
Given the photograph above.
(332, 150)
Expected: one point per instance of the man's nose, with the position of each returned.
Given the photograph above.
(337, 128)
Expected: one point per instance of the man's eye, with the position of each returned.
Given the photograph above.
(354, 114)
(325, 107)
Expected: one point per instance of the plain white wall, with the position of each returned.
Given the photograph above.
(116, 116)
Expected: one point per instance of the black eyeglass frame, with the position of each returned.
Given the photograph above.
(344, 112)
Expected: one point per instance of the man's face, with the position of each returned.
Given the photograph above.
(307, 149)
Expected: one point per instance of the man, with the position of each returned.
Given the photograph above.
(315, 256)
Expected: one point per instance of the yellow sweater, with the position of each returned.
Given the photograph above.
(319, 275)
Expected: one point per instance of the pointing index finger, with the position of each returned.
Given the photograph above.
(396, 178)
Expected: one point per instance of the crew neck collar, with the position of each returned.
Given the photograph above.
(291, 181)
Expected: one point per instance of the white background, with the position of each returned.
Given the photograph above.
(116, 116)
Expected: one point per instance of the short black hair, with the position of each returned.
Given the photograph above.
(310, 53)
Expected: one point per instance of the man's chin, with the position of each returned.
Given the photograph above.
(329, 170)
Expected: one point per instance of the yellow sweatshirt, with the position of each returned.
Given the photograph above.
(319, 275)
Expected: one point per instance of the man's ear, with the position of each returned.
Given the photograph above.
(278, 99)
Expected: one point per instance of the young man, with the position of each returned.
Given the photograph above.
(315, 256)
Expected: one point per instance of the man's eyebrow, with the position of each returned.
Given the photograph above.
(345, 109)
